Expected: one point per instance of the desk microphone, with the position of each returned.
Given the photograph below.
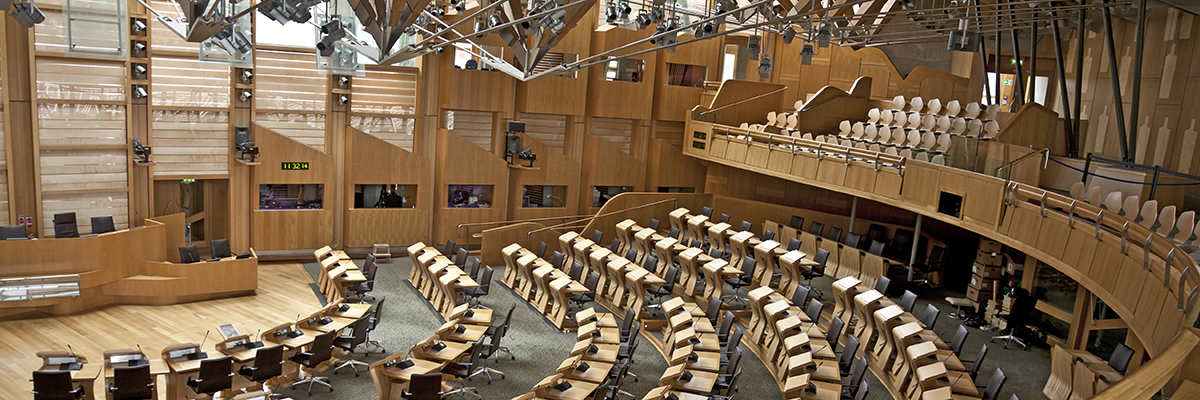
(139, 345)
(201, 346)
(72, 351)
(255, 343)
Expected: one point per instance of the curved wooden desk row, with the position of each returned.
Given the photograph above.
(792, 347)
(690, 345)
(546, 288)
(438, 279)
(843, 260)
(179, 362)
(1159, 291)
(588, 367)
(464, 327)
(131, 266)
(338, 273)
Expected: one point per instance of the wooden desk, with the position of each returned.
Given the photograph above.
(639, 280)
(604, 353)
(741, 245)
(85, 376)
(617, 269)
(678, 219)
(718, 236)
(690, 261)
(790, 266)
(697, 226)
(596, 372)
(470, 333)
(625, 231)
(579, 390)
(563, 289)
(511, 253)
(765, 255)
(565, 242)
(715, 273)
(580, 253)
(844, 291)
(696, 360)
(701, 382)
(451, 352)
(525, 267)
(542, 276)
(597, 263)
(645, 240)
(667, 249)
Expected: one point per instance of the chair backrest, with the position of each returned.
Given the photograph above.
(449, 249)
(860, 369)
(358, 334)
(1112, 201)
(216, 374)
(724, 218)
(793, 244)
(460, 257)
(576, 271)
(834, 332)
(797, 222)
(485, 279)
(1149, 213)
(671, 278)
(735, 358)
(508, 317)
(852, 240)
(835, 234)
(715, 253)
(735, 338)
(615, 247)
(820, 258)
(979, 360)
(816, 228)
(593, 280)
(189, 254)
(814, 310)
(882, 284)
(876, 248)
(801, 295)
(654, 223)
(425, 386)
(651, 264)
(706, 211)
(673, 233)
(12, 232)
(268, 362)
(960, 337)
(220, 248)
(1120, 358)
(52, 385)
(907, 300)
(745, 226)
(1184, 224)
(556, 259)
(992, 391)
(768, 235)
(541, 250)
(748, 266)
(713, 310)
(847, 357)
(377, 315)
(627, 323)
(132, 383)
(1129, 207)
(630, 255)
(65, 226)
(1166, 220)
(726, 324)
(322, 347)
(863, 389)
(103, 224)
(930, 316)
(597, 236)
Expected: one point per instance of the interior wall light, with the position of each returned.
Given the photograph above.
(139, 92)
(343, 99)
(246, 96)
(247, 76)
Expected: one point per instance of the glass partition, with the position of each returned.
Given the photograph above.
(470, 196)
(601, 194)
(290, 196)
(544, 196)
(385, 196)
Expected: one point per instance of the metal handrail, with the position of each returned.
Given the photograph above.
(458, 230)
(1045, 162)
(589, 219)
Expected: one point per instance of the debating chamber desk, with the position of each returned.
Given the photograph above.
(131, 266)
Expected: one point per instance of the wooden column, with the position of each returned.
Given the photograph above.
(428, 118)
(335, 144)
(19, 123)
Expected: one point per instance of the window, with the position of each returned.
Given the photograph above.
(731, 68)
(544, 196)
(601, 194)
(624, 70)
(470, 196)
(552, 59)
(465, 53)
(292, 34)
(385, 196)
(686, 75)
(290, 196)
(668, 189)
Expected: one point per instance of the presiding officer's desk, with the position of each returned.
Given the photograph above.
(82, 373)
(131, 266)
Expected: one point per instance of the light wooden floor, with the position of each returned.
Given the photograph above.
(283, 292)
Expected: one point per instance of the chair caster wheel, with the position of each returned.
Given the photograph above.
(330, 390)
(355, 374)
(310, 394)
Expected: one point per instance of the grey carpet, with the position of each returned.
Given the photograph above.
(539, 347)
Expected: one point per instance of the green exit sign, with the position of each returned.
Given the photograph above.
(189, 181)
(1006, 82)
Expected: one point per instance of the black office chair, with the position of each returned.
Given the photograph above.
(497, 325)
(877, 232)
(768, 235)
(852, 240)
(55, 385)
(472, 267)
(450, 247)
(793, 244)
(863, 389)
(556, 259)
(735, 340)
(724, 218)
(960, 338)
(220, 248)
(541, 250)
(816, 271)
(1015, 319)
(673, 233)
(992, 391)
(900, 244)
(358, 336)
(728, 368)
(651, 263)
(362, 290)
(813, 311)
(580, 299)
(713, 311)
(654, 223)
(800, 297)
(856, 380)
(816, 228)
(748, 265)
(834, 332)
(320, 352)
(103, 224)
(576, 271)
(745, 227)
(631, 255)
(376, 319)
(882, 284)
(627, 324)
(974, 364)
(131, 383)
(907, 301)
(487, 350)
(716, 254)
(12, 232)
(932, 264)
(797, 222)
(615, 247)
(706, 211)
(460, 257)
(216, 374)
(930, 316)
(65, 226)
(665, 289)
(726, 382)
(485, 286)
(462, 371)
(876, 248)
(268, 363)
(423, 387)
(189, 254)
(597, 236)
(846, 359)
(724, 328)
(835, 234)
(1119, 360)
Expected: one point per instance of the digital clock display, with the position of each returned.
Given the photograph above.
(295, 166)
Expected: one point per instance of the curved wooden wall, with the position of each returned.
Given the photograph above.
(270, 228)
(373, 161)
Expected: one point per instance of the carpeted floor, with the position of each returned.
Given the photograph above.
(539, 347)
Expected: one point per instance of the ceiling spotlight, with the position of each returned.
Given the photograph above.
(139, 47)
(246, 96)
(28, 14)
(343, 99)
(642, 20)
(656, 14)
(137, 26)
(247, 76)
(789, 34)
(343, 81)
(611, 14)
(723, 7)
(764, 67)
(625, 9)
(232, 41)
(807, 53)
(480, 26)
(494, 21)
(334, 31)
(752, 47)
(139, 70)
(823, 34)
(139, 92)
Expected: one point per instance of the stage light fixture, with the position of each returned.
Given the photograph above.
(27, 14)
(139, 70)
(247, 76)
(139, 92)
(656, 14)
(139, 48)
(246, 96)
(343, 81)
(343, 99)
(764, 67)
(642, 20)
(625, 9)
(137, 26)
(806, 54)
(243, 144)
(611, 14)
(480, 26)
(823, 34)
(789, 34)
(232, 41)
(752, 47)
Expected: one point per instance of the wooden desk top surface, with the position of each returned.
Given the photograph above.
(701, 382)
(356, 311)
(157, 367)
(451, 352)
(579, 391)
(605, 353)
(471, 333)
(85, 372)
(596, 372)
(419, 367)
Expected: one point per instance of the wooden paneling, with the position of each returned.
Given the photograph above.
(670, 132)
(554, 169)
(385, 91)
(560, 95)
(474, 126)
(183, 82)
(308, 129)
(668, 167)
(606, 165)
(190, 142)
(1033, 125)
(4, 199)
(397, 131)
(550, 130)
(615, 99)
(617, 132)
(72, 79)
(371, 161)
(67, 170)
(480, 91)
(288, 81)
(85, 206)
(80, 124)
(311, 228)
(459, 163)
